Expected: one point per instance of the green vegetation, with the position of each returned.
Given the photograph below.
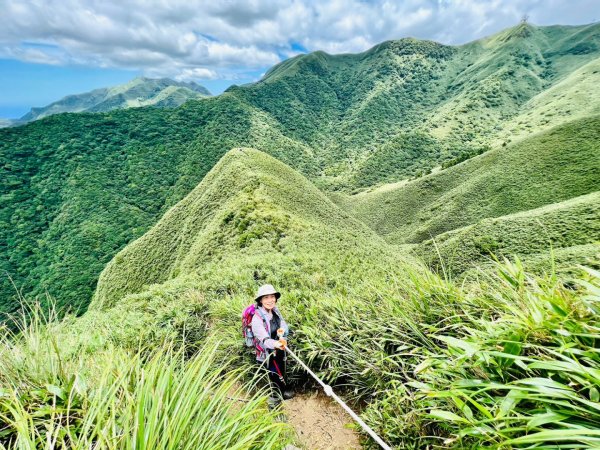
(376, 326)
(560, 226)
(167, 221)
(510, 366)
(60, 392)
(77, 188)
(572, 98)
(249, 207)
(550, 167)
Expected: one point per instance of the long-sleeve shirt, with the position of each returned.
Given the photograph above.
(264, 334)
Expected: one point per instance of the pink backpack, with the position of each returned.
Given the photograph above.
(247, 333)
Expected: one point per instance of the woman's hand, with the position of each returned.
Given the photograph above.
(280, 344)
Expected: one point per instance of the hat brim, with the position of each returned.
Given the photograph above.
(277, 295)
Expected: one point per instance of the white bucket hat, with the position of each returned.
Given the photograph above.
(266, 289)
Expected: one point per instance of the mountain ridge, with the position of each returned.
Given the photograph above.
(141, 91)
(250, 206)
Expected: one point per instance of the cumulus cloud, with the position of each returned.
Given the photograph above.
(197, 73)
(209, 40)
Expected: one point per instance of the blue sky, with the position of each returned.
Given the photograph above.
(58, 47)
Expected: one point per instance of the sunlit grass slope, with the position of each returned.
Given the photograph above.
(552, 166)
(569, 228)
(249, 206)
(574, 97)
(493, 78)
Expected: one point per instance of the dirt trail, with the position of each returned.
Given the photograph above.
(320, 423)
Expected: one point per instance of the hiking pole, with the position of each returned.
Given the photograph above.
(329, 391)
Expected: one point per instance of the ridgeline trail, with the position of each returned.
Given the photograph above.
(320, 424)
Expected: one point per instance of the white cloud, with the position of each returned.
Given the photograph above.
(214, 39)
(197, 73)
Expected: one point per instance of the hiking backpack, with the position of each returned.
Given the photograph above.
(247, 333)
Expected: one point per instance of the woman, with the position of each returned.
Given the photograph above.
(270, 348)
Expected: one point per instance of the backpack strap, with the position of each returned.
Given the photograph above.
(264, 319)
(259, 349)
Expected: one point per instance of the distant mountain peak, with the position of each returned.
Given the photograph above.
(140, 91)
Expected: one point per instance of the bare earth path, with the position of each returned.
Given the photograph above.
(320, 423)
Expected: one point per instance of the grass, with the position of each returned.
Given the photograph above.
(505, 360)
(525, 376)
(120, 398)
(555, 165)
(572, 98)
(560, 226)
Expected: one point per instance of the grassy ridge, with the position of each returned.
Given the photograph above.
(503, 72)
(560, 226)
(249, 205)
(398, 336)
(553, 166)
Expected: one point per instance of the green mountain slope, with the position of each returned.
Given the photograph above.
(570, 228)
(77, 188)
(406, 106)
(574, 97)
(250, 211)
(552, 166)
(141, 91)
(504, 71)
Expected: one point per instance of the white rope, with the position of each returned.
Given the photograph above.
(329, 391)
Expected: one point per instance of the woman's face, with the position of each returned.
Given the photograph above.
(268, 301)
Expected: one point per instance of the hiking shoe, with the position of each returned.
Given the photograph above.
(273, 402)
(288, 394)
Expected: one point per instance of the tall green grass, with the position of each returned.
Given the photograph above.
(526, 376)
(505, 360)
(117, 398)
(510, 361)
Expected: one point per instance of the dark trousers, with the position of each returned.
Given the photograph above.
(276, 368)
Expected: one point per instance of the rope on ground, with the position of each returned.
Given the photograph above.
(329, 391)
